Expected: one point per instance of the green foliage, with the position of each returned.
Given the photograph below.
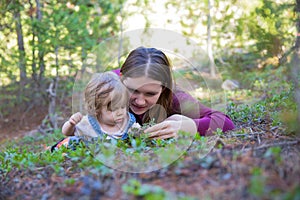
(70, 181)
(247, 113)
(260, 112)
(271, 27)
(271, 101)
(274, 152)
(29, 154)
(257, 183)
(72, 28)
(138, 152)
(150, 192)
(294, 194)
(219, 132)
(57, 38)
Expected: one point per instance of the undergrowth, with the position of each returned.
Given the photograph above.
(273, 101)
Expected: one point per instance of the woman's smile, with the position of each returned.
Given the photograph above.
(144, 92)
(138, 109)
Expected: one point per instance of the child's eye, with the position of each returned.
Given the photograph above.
(117, 108)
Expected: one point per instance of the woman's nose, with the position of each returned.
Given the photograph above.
(139, 100)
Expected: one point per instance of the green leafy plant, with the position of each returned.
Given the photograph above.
(274, 152)
(148, 192)
(257, 182)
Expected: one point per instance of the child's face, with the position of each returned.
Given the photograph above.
(113, 116)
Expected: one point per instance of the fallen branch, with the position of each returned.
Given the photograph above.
(265, 146)
(246, 134)
(25, 112)
(50, 121)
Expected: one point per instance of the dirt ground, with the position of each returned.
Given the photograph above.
(237, 170)
(17, 125)
(228, 172)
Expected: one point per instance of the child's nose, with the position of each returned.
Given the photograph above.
(120, 111)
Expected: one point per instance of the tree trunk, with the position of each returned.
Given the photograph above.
(22, 59)
(40, 43)
(209, 42)
(121, 38)
(295, 71)
(52, 95)
(33, 65)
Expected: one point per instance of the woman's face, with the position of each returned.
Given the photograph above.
(144, 93)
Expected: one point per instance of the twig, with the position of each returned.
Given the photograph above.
(51, 88)
(272, 145)
(27, 110)
(246, 134)
(274, 127)
(244, 146)
(257, 136)
(283, 58)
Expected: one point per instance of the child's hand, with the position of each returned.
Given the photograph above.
(75, 118)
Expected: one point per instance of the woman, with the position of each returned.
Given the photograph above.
(146, 73)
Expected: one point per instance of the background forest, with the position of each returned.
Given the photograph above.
(254, 47)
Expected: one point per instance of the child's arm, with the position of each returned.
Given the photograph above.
(68, 128)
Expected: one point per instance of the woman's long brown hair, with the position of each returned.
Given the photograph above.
(154, 64)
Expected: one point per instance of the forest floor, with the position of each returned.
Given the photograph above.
(14, 126)
(263, 163)
(257, 160)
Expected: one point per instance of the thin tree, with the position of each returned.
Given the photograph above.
(21, 48)
(295, 71)
(212, 65)
(121, 37)
(33, 65)
(41, 53)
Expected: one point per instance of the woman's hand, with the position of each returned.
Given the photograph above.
(170, 127)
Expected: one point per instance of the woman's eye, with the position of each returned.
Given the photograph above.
(150, 94)
(133, 91)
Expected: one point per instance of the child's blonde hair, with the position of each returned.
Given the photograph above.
(105, 89)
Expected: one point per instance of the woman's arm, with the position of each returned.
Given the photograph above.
(206, 119)
(192, 117)
(208, 124)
